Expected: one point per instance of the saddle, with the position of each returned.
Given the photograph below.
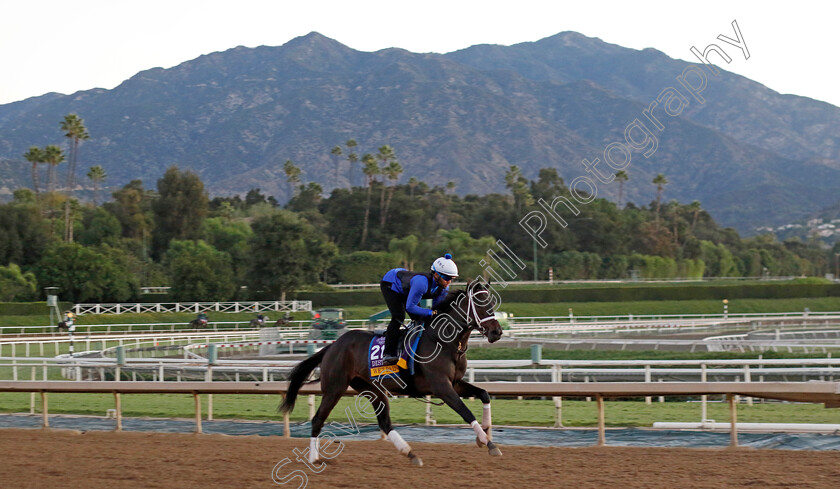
(406, 361)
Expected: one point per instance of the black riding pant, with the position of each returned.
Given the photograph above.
(396, 304)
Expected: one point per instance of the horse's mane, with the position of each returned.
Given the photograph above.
(450, 299)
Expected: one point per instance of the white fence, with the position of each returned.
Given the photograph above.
(603, 281)
(176, 367)
(21, 332)
(196, 307)
(818, 392)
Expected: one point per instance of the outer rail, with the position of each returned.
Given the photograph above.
(827, 393)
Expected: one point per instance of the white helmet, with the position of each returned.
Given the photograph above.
(444, 265)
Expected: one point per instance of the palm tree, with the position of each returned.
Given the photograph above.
(96, 174)
(695, 208)
(336, 152)
(53, 156)
(370, 169)
(412, 184)
(393, 172)
(450, 186)
(292, 176)
(518, 185)
(353, 158)
(35, 155)
(675, 216)
(622, 177)
(660, 181)
(406, 249)
(386, 156)
(75, 130)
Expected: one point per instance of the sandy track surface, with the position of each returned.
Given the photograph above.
(68, 459)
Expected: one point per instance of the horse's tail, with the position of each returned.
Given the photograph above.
(298, 376)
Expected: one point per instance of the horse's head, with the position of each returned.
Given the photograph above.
(480, 314)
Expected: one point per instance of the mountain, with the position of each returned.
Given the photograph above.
(750, 155)
(793, 126)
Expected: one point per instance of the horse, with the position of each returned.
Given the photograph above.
(198, 323)
(257, 323)
(440, 363)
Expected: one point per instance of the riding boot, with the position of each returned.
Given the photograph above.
(392, 340)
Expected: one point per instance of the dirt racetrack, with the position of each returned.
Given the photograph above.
(68, 459)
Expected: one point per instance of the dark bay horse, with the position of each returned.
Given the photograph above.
(440, 364)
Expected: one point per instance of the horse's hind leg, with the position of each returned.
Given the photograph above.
(328, 402)
(379, 402)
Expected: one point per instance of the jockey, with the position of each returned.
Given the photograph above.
(403, 290)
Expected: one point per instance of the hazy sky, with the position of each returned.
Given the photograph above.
(65, 46)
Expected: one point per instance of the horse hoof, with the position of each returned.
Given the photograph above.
(478, 442)
(415, 460)
(494, 450)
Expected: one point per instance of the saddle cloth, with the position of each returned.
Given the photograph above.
(406, 361)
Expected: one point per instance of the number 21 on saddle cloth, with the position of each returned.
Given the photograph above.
(406, 361)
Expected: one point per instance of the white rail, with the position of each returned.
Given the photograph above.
(602, 281)
(196, 307)
(818, 392)
(182, 327)
(554, 370)
(659, 317)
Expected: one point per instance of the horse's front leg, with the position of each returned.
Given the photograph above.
(465, 389)
(447, 393)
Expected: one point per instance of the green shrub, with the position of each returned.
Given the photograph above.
(362, 267)
(29, 308)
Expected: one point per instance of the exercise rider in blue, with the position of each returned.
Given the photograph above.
(403, 290)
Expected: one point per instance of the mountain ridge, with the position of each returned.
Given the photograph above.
(235, 116)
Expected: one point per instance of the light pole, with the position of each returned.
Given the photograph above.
(725, 309)
(535, 261)
(836, 267)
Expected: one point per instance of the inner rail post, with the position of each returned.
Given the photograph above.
(197, 399)
(44, 412)
(733, 420)
(118, 411)
(602, 438)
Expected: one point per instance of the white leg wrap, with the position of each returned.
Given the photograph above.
(485, 417)
(313, 449)
(398, 442)
(482, 436)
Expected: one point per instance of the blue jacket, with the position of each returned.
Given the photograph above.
(414, 287)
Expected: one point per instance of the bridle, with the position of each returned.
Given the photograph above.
(472, 316)
(473, 319)
(472, 312)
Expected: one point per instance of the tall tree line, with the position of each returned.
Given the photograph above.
(174, 234)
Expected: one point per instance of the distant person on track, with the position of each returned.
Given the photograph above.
(68, 322)
(403, 290)
(284, 321)
(200, 320)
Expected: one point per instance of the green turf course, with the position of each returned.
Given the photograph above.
(407, 411)
(553, 300)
